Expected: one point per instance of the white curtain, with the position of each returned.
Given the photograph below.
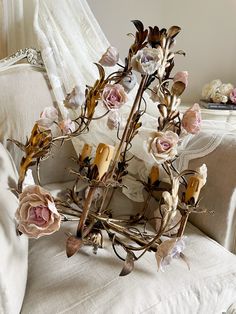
(16, 26)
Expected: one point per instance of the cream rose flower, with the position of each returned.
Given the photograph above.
(191, 121)
(37, 214)
(110, 57)
(147, 60)
(114, 96)
(210, 89)
(220, 98)
(163, 146)
(226, 89)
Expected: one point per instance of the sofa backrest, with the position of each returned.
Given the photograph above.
(24, 93)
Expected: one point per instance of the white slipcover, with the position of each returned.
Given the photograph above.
(14, 249)
(88, 283)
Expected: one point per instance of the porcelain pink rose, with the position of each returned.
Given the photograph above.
(110, 57)
(37, 214)
(181, 76)
(191, 121)
(47, 117)
(232, 96)
(164, 146)
(67, 126)
(114, 96)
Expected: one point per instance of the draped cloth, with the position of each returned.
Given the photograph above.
(71, 40)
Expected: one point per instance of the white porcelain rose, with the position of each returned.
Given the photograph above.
(37, 214)
(163, 146)
(147, 60)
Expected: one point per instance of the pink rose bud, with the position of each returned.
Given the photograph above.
(47, 117)
(110, 57)
(37, 214)
(75, 99)
(232, 96)
(191, 121)
(181, 76)
(67, 126)
(114, 96)
(113, 120)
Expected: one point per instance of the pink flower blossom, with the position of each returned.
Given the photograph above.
(181, 76)
(67, 126)
(113, 120)
(232, 96)
(75, 99)
(47, 117)
(191, 121)
(168, 250)
(37, 214)
(114, 96)
(110, 57)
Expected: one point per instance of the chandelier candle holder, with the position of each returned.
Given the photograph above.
(97, 178)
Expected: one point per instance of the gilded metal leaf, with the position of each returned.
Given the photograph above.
(178, 88)
(128, 265)
(73, 244)
(173, 31)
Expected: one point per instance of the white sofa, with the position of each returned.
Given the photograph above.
(88, 283)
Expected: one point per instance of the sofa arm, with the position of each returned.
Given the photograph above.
(219, 194)
(14, 249)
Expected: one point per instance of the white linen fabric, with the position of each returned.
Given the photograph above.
(14, 249)
(219, 194)
(88, 283)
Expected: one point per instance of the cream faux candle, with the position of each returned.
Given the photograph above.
(194, 186)
(103, 158)
(86, 152)
(154, 174)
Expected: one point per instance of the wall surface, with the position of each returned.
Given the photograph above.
(208, 34)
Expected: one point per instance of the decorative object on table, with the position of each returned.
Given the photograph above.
(98, 177)
(218, 95)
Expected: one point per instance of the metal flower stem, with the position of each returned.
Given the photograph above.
(126, 130)
(85, 212)
(183, 224)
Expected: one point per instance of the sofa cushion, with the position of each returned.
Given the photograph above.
(14, 249)
(88, 283)
(24, 93)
